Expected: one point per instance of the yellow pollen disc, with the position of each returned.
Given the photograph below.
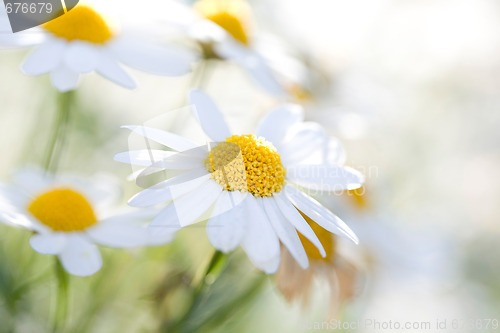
(231, 15)
(63, 209)
(81, 23)
(326, 238)
(248, 164)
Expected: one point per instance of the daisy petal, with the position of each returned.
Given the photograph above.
(51, 243)
(80, 257)
(306, 145)
(81, 57)
(165, 138)
(335, 153)
(209, 116)
(225, 231)
(166, 219)
(30, 180)
(163, 227)
(260, 241)
(109, 69)
(64, 79)
(285, 231)
(44, 59)
(275, 125)
(262, 74)
(170, 189)
(153, 59)
(160, 159)
(160, 236)
(191, 208)
(252, 62)
(144, 157)
(293, 216)
(325, 177)
(319, 214)
(119, 232)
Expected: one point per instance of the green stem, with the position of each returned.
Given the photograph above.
(217, 260)
(61, 311)
(57, 139)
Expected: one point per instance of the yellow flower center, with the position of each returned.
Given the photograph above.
(63, 209)
(248, 164)
(81, 23)
(326, 238)
(231, 15)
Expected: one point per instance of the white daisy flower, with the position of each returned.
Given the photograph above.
(70, 215)
(82, 41)
(248, 187)
(222, 29)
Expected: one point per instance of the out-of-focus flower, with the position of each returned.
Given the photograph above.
(247, 186)
(296, 283)
(70, 215)
(82, 41)
(223, 30)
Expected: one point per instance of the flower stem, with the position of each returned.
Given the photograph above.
(61, 311)
(216, 263)
(56, 141)
(218, 258)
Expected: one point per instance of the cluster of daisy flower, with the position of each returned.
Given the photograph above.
(251, 190)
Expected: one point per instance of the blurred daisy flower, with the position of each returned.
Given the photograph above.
(340, 273)
(248, 187)
(69, 216)
(82, 41)
(222, 28)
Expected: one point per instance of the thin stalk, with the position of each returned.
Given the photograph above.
(58, 133)
(62, 301)
(218, 258)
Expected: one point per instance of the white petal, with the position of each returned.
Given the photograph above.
(274, 126)
(165, 138)
(167, 219)
(80, 257)
(262, 74)
(226, 227)
(160, 236)
(31, 180)
(231, 49)
(206, 31)
(170, 189)
(81, 57)
(209, 116)
(45, 58)
(228, 200)
(285, 231)
(163, 227)
(109, 69)
(319, 214)
(191, 207)
(159, 60)
(335, 153)
(119, 232)
(51, 243)
(260, 241)
(306, 144)
(325, 177)
(161, 159)
(144, 157)
(64, 79)
(293, 216)
(252, 62)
